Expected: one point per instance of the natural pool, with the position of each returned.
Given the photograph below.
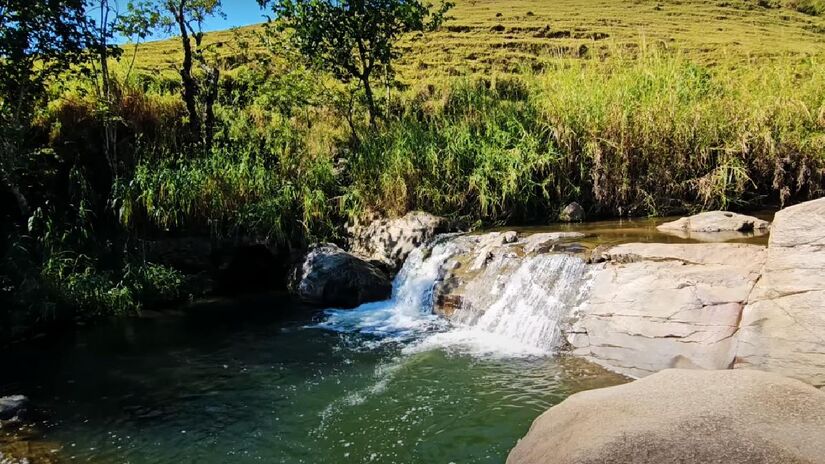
(262, 379)
(254, 381)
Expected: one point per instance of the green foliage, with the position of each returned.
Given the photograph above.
(355, 39)
(623, 128)
(276, 193)
(56, 272)
(657, 135)
(184, 18)
(809, 7)
(37, 41)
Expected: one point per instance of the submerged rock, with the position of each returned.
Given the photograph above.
(716, 221)
(682, 416)
(29, 451)
(390, 241)
(12, 406)
(329, 276)
(655, 306)
(572, 213)
(783, 325)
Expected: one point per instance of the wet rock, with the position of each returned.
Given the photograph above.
(716, 221)
(29, 451)
(682, 416)
(12, 406)
(572, 213)
(783, 325)
(390, 241)
(546, 242)
(329, 276)
(474, 279)
(509, 237)
(657, 306)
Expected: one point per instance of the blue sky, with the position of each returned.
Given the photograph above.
(238, 13)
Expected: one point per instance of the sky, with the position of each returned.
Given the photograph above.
(238, 13)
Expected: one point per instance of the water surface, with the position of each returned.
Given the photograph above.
(259, 381)
(266, 380)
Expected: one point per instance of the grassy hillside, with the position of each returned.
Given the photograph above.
(514, 36)
(513, 110)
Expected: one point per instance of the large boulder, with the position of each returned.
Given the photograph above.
(12, 406)
(716, 221)
(683, 416)
(656, 306)
(783, 325)
(329, 276)
(390, 241)
(572, 213)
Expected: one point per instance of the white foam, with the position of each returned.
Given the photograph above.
(409, 311)
(524, 302)
(476, 342)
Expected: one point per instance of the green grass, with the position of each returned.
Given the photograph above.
(515, 36)
(628, 107)
(653, 135)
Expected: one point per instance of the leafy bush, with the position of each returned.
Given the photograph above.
(809, 7)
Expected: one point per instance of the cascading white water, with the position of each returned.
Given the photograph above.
(513, 307)
(517, 306)
(410, 308)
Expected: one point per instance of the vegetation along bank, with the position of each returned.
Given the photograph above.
(276, 136)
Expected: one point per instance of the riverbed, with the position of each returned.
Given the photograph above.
(265, 379)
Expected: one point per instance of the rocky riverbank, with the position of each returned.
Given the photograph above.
(683, 416)
(716, 309)
(638, 308)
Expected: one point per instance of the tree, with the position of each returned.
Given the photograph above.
(185, 18)
(38, 40)
(355, 39)
(104, 21)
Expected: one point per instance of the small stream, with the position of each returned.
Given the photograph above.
(263, 379)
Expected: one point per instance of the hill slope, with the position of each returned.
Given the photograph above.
(486, 36)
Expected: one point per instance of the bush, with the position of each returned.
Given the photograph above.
(809, 7)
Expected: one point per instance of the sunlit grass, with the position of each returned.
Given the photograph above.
(488, 36)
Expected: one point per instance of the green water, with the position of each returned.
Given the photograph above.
(250, 382)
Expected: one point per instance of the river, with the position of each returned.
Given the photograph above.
(263, 379)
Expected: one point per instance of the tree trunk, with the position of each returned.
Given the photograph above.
(22, 203)
(109, 128)
(365, 80)
(190, 88)
(213, 76)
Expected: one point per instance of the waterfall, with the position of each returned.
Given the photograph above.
(514, 305)
(409, 310)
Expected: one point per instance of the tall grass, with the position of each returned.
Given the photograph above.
(647, 136)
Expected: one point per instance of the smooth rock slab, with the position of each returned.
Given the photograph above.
(657, 306)
(683, 416)
(716, 221)
(783, 325)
